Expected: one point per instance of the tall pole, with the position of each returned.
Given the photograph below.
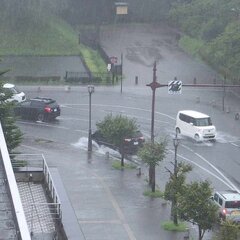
(153, 102)
(176, 142)
(154, 84)
(90, 91)
(224, 94)
(121, 70)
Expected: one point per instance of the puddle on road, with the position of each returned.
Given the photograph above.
(221, 137)
(83, 144)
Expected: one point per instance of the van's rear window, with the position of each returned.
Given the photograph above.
(232, 204)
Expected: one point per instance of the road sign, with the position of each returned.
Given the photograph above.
(175, 87)
(113, 60)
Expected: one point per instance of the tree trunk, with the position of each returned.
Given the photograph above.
(200, 233)
(173, 213)
(122, 154)
(153, 179)
(150, 176)
(122, 159)
(174, 209)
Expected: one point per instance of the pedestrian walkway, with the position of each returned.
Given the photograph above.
(108, 204)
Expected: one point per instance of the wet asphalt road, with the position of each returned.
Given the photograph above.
(141, 45)
(120, 210)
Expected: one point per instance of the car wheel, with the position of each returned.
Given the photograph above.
(40, 117)
(196, 137)
(178, 131)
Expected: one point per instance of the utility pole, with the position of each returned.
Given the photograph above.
(121, 70)
(154, 85)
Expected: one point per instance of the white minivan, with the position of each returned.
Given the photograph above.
(17, 96)
(196, 125)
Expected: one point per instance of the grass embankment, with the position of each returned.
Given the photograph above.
(191, 45)
(51, 37)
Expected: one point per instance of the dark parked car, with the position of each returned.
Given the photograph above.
(131, 143)
(39, 109)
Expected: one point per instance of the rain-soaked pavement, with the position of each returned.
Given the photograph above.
(141, 45)
(109, 204)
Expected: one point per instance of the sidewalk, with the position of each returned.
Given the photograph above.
(109, 204)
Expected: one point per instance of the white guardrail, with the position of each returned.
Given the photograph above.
(16, 200)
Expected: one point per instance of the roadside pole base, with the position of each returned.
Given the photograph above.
(213, 103)
(136, 80)
(107, 155)
(139, 173)
(67, 88)
(236, 117)
(228, 109)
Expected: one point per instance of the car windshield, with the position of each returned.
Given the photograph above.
(232, 204)
(203, 122)
(12, 90)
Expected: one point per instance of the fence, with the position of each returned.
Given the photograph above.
(87, 78)
(44, 215)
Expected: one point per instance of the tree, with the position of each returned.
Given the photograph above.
(195, 206)
(229, 231)
(175, 186)
(153, 153)
(115, 129)
(12, 133)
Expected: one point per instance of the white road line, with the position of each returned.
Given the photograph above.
(234, 144)
(120, 106)
(206, 170)
(226, 182)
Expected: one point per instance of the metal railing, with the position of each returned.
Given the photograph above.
(41, 216)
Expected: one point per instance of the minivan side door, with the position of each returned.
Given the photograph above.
(184, 124)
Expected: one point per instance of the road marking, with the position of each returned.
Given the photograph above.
(205, 169)
(120, 106)
(226, 182)
(234, 144)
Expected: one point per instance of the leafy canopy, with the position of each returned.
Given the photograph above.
(117, 128)
(195, 206)
(153, 153)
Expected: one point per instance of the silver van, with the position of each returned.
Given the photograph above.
(196, 125)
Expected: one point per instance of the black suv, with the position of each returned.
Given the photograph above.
(39, 109)
(131, 143)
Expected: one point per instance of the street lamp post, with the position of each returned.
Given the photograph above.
(90, 91)
(176, 142)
